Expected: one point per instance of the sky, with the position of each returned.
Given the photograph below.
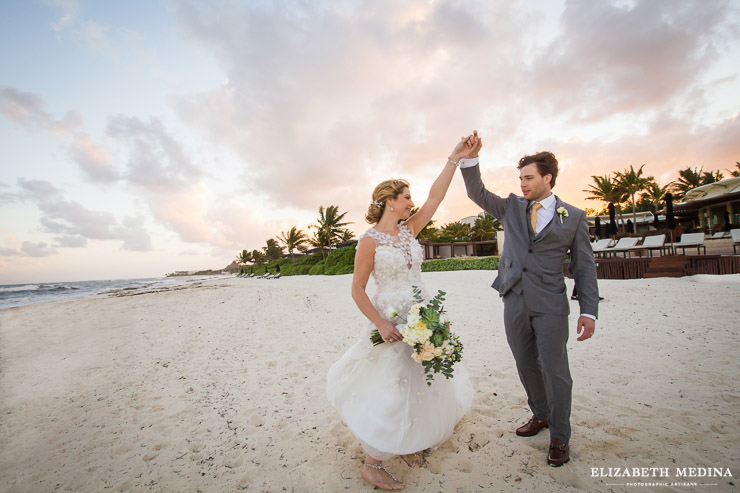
(142, 137)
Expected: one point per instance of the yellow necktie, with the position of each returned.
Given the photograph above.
(533, 216)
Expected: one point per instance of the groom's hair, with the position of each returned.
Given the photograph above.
(547, 164)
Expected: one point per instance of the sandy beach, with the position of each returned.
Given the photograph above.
(219, 386)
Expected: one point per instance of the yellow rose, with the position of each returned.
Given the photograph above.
(416, 333)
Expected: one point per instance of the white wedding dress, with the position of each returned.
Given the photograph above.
(380, 392)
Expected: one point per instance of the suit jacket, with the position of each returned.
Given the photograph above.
(533, 265)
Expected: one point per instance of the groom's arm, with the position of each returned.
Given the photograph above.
(489, 202)
(584, 271)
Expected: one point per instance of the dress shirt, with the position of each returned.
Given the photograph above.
(544, 213)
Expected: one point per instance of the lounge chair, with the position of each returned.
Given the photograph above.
(735, 239)
(691, 240)
(651, 243)
(623, 245)
(719, 235)
(601, 246)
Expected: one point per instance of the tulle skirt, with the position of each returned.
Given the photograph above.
(383, 397)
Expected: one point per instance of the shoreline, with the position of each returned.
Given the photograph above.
(221, 387)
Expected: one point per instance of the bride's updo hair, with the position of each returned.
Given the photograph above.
(389, 189)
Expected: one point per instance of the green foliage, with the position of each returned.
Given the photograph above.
(481, 263)
(457, 230)
(273, 250)
(317, 269)
(485, 227)
(340, 261)
(288, 266)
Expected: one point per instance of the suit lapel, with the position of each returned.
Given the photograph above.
(554, 225)
(524, 216)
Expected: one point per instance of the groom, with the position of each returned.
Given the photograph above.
(540, 230)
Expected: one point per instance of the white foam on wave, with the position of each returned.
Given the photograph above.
(19, 287)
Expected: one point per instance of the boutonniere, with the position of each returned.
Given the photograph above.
(562, 212)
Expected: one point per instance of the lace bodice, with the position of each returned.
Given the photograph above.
(397, 269)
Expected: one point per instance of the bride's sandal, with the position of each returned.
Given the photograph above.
(413, 460)
(395, 485)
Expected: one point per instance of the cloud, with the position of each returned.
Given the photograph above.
(29, 111)
(667, 146)
(37, 249)
(613, 58)
(321, 102)
(8, 252)
(160, 171)
(94, 161)
(70, 241)
(158, 162)
(6, 197)
(134, 234)
(75, 223)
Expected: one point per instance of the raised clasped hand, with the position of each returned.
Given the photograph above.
(467, 147)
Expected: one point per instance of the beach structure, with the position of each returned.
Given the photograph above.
(711, 206)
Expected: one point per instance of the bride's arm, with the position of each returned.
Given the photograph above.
(418, 221)
(364, 261)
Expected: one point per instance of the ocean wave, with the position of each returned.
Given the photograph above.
(19, 288)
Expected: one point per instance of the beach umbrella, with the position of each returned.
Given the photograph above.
(611, 229)
(670, 219)
(630, 226)
(597, 227)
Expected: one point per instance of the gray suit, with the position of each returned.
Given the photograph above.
(531, 282)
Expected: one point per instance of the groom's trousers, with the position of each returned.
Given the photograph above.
(538, 343)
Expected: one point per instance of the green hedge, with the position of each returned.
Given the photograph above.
(342, 261)
(298, 266)
(481, 263)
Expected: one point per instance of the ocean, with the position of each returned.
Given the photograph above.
(27, 294)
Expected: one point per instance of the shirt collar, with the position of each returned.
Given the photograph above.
(547, 203)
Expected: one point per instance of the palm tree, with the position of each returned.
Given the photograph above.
(293, 239)
(428, 232)
(711, 177)
(346, 236)
(457, 230)
(319, 239)
(688, 179)
(258, 257)
(735, 173)
(244, 258)
(607, 191)
(330, 227)
(655, 194)
(485, 227)
(272, 249)
(632, 182)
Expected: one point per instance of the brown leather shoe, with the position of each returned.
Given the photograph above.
(532, 427)
(558, 454)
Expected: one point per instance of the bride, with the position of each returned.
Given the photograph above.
(380, 392)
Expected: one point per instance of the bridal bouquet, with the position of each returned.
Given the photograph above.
(424, 329)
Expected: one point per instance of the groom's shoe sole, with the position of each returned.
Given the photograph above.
(531, 428)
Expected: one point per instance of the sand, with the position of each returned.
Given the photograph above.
(220, 387)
